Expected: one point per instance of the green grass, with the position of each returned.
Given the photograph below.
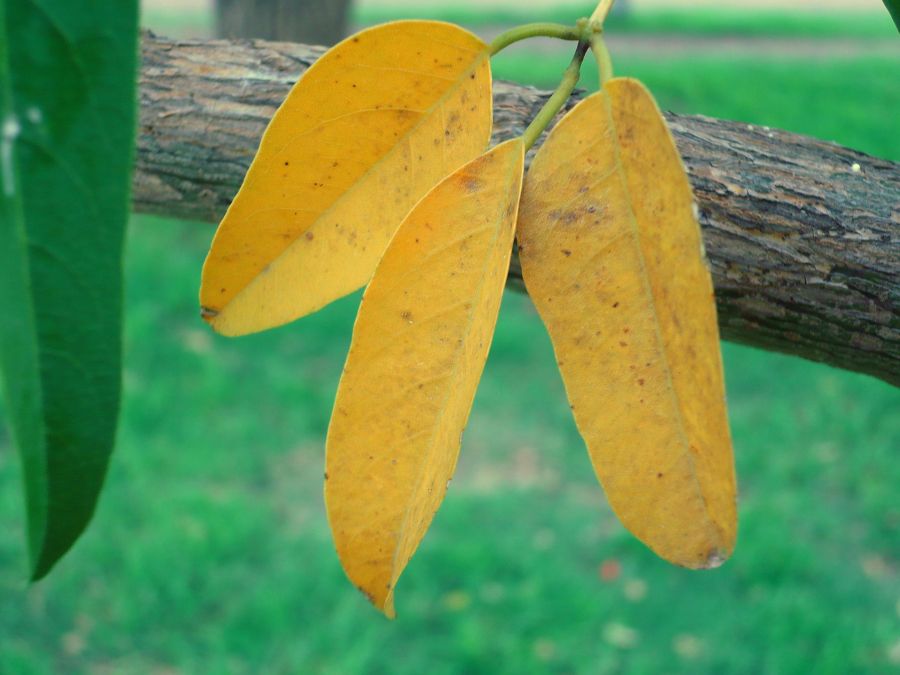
(210, 551)
(174, 23)
(698, 22)
(876, 24)
(848, 100)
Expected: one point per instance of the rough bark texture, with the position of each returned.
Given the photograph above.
(803, 236)
(320, 21)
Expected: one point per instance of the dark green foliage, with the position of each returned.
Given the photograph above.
(67, 105)
(893, 6)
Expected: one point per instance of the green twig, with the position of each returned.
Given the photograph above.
(600, 14)
(558, 99)
(604, 61)
(529, 30)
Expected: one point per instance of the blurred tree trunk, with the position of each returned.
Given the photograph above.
(310, 21)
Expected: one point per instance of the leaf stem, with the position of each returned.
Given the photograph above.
(602, 11)
(604, 61)
(529, 30)
(558, 99)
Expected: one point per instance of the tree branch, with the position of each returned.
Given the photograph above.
(803, 236)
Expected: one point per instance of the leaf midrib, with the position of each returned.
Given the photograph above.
(648, 291)
(401, 536)
(477, 62)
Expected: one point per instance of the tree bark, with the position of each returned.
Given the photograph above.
(312, 21)
(803, 236)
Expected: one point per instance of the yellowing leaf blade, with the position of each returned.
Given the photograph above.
(371, 127)
(419, 346)
(611, 254)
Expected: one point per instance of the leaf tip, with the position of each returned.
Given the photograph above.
(716, 557)
(215, 320)
(44, 562)
(38, 572)
(385, 604)
(388, 607)
(208, 314)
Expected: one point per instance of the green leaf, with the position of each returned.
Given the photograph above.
(67, 120)
(893, 6)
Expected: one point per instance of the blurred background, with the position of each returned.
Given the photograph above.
(210, 551)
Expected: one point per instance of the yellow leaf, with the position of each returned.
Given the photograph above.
(419, 345)
(612, 257)
(366, 132)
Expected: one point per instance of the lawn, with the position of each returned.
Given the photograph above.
(681, 20)
(210, 551)
(847, 100)
(874, 24)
